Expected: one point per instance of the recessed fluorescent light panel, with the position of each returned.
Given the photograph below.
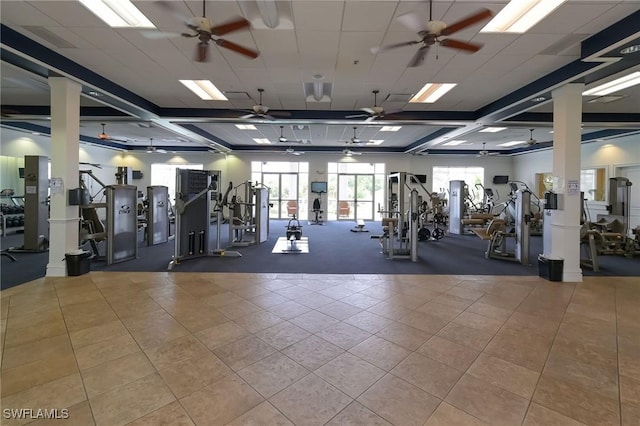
(262, 141)
(246, 127)
(375, 142)
(390, 128)
(431, 92)
(204, 89)
(454, 143)
(512, 143)
(520, 15)
(118, 13)
(615, 85)
(493, 129)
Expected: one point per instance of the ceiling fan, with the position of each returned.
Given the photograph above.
(484, 153)
(531, 140)
(349, 152)
(205, 31)
(261, 111)
(373, 112)
(291, 151)
(431, 32)
(152, 149)
(283, 139)
(105, 137)
(355, 140)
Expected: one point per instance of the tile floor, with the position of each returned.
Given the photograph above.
(266, 349)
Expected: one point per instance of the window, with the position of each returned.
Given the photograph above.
(592, 183)
(471, 175)
(165, 175)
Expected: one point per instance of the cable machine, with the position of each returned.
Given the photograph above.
(249, 215)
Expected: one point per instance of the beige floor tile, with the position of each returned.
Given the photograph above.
(379, 292)
(221, 299)
(501, 301)
(314, 300)
(487, 402)
(399, 402)
(276, 284)
(174, 351)
(380, 352)
(489, 311)
(221, 402)
(17, 309)
(157, 335)
(508, 376)
(34, 351)
(337, 292)
(21, 336)
(266, 300)
(537, 415)
(77, 415)
(528, 350)
(195, 320)
(628, 359)
(465, 336)
(478, 322)
(38, 372)
(540, 325)
(272, 374)
(73, 296)
(404, 335)
(343, 335)
(288, 309)
(447, 352)
(239, 309)
(453, 301)
(369, 321)
(139, 321)
(222, 334)
(630, 415)
(258, 321)
(389, 310)
(170, 415)
(407, 301)
(465, 293)
(310, 401)
(350, 374)
(113, 374)
(448, 415)
(87, 314)
(314, 321)
(295, 292)
(97, 334)
(598, 377)
(131, 401)
(576, 402)
(630, 391)
(427, 374)
(61, 393)
(104, 351)
(193, 374)
(439, 310)
(282, 335)
(424, 322)
(360, 300)
(33, 319)
(312, 352)
(243, 352)
(263, 414)
(357, 414)
(339, 310)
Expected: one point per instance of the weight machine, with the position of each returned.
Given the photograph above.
(249, 215)
(194, 191)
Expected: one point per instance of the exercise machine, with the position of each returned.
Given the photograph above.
(498, 235)
(194, 190)
(317, 211)
(157, 215)
(293, 241)
(249, 215)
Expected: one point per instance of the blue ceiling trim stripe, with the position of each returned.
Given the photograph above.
(34, 49)
(307, 148)
(197, 130)
(587, 117)
(622, 29)
(170, 148)
(45, 111)
(429, 137)
(23, 63)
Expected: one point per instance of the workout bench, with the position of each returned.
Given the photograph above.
(360, 226)
(494, 233)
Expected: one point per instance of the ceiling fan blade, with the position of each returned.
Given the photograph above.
(237, 48)
(357, 116)
(412, 21)
(462, 45)
(368, 110)
(235, 25)
(418, 58)
(481, 15)
(379, 49)
(201, 52)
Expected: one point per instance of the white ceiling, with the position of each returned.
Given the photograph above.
(331, 38)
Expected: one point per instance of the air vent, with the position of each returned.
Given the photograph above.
(317, 91)
(606, 99)
(237, 96)
(49, 37)
(398, 97)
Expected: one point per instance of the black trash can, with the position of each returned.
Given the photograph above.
(78, 263)
(550, 269)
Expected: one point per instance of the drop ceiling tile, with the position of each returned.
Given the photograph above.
(324, 42)
(276, 41)
(569, 17)
(318, 15)
(375, 19)
(25, 13)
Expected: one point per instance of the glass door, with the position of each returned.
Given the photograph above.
(346, 196)
(364, 197)
(355, 196)
(283, 194)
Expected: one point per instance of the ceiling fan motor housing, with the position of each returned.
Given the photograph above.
(435, 27)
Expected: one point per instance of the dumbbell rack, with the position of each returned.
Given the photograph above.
(6, 223)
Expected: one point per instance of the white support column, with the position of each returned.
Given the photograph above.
(565, 222)
(65, 133)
